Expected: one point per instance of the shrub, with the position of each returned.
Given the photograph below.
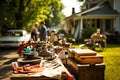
(87, 32)
(62, 31)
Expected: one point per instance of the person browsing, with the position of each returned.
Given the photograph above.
(34, 32)
(43, 31)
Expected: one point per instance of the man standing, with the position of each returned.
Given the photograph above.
(43, 31)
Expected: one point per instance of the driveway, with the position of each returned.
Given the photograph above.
(7, 57)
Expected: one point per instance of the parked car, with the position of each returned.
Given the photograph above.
(13, 38)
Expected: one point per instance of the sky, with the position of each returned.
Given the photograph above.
(69, 4)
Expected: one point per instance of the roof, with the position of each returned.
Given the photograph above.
(102, 9)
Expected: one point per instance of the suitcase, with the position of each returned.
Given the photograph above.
(86, 71)
(89, 59)
(82, 52)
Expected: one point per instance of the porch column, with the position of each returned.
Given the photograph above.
(81, 28)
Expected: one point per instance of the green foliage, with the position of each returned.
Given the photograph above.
(87, 32)
(111, 59)
(24, 13)
(62, 31)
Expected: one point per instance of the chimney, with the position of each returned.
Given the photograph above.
(73, 10)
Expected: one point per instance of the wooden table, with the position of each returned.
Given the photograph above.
(25, 77)
(46, 73)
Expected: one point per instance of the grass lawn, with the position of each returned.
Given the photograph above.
(112, 61)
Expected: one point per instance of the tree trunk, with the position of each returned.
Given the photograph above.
(19, 15)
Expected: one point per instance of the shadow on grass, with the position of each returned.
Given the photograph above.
(113, 45)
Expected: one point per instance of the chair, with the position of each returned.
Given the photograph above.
(99, 40)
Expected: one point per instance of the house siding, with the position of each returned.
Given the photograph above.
(117, 21)
(117, 5)
(117, 24)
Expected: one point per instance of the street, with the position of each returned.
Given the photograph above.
(7, 56)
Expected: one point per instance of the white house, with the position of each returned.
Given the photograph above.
(103, 14)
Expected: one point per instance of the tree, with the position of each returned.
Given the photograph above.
(56, 14)
(22, 14)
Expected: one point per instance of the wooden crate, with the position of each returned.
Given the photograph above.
(89, 59)
(86, 71)
(82, 52)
